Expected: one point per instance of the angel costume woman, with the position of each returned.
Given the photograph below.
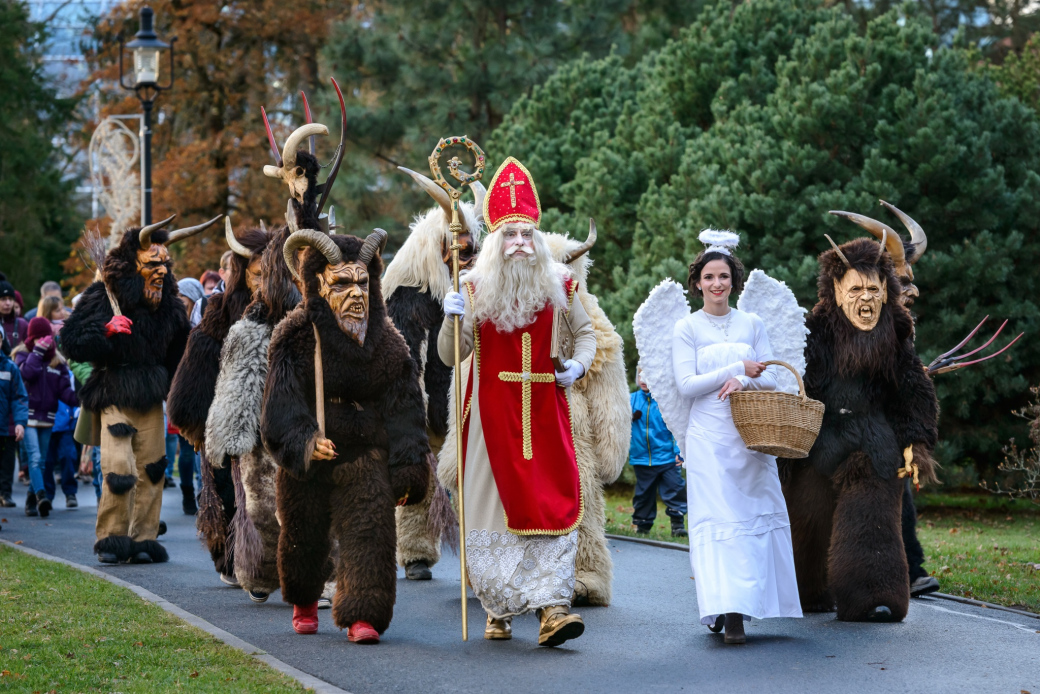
(740, 536)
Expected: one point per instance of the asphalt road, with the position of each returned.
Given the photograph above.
(649, 640)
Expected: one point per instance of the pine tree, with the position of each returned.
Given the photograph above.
(763, 116)
(38, 218)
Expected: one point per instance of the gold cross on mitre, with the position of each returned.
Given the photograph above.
(526, 378)
(512, 183)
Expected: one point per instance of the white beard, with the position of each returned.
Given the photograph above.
(510, 291)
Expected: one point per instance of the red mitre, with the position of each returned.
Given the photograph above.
(511, 197)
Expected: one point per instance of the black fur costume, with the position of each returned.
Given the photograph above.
(192, 393)
(845, 499)
(131, 372)
(375, 417)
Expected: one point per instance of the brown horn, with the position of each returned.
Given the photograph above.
(326, 189)
(434, 190)
(374, 244)
(838, 251)
(585, 247)
(917, 236)
(316, 239)
(180, 234)
(144, 237)
(886, 234)
(307, 116)
(232, 242)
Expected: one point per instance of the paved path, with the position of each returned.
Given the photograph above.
(647, 641)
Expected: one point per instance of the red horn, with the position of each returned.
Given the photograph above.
(307, 115)
(270, 138)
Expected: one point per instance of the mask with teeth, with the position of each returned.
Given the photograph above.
(153, 266)
(860, 296)
(345, 287)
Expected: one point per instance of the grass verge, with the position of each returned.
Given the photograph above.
(978, 546)
(63, 630)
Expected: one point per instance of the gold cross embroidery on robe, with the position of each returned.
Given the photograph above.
(525, 378)
(512, 183)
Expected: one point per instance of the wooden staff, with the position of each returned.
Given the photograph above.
(456, 228)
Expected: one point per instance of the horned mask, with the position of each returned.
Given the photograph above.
(153, 259)
(342, 283)
(468, 241)
(860, 294)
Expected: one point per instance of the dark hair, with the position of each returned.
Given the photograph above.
(736, 269)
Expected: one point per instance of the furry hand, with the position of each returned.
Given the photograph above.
(324, 449)
(454, 304)
(410, 483)
(118, 324)
(573, 371)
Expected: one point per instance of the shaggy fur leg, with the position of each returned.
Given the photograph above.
(593, 566)
(811, 501)
(914, 551)
(416, 540)
(216, 510)
(153, 549)
(119, 545)
(259, 474)
(363, 524)
(867, 563)
(303, 545)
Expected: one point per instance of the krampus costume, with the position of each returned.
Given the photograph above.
(233, 424)
(415, 283)
(845, 499)
(348, 432)
(192, 394)
(135, 355)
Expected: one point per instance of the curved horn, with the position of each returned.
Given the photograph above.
(884, 233)
(479, 193)
(917, 236)
(293, 143)
(310, 119)
(263, 228)
(374, 244)
(232, 242)
(838, 251)
(340, 151)
(144, 237)
(310, 237)
(271, 141)
(434, 190)
(180, 234)
(585, 247)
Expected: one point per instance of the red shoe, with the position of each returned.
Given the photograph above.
(305, 618)
(362, 632)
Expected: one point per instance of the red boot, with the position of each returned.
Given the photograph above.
(362, 632)
(305, 618)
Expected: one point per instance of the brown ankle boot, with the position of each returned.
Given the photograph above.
(735, 628)
(557, 625)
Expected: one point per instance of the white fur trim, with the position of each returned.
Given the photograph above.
(233, 424)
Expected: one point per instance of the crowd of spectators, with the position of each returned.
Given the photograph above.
(39, 408)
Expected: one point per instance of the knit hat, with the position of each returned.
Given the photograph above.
(18, 298)
(38, 327)
(191, 288)
(6, 289)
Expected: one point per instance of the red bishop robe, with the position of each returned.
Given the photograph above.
(526, 419)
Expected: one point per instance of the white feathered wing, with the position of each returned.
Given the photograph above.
(775, 303)
(653, 326)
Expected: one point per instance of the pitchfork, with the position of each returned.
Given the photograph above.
(950, 361)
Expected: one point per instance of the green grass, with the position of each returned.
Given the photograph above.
(63, 630)
(978, 546)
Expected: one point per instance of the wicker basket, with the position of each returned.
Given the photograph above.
(779, 424)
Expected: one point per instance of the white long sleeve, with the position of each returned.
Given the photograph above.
(684, 363)
(763, 352)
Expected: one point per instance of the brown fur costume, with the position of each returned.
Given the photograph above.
(192, 394)
(233, 425)
(601, 420)
(844, 500)
(376, 420)
(132, 374)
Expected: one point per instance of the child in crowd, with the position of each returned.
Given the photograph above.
(14, 417)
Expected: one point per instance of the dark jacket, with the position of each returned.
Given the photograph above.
(14, 401)
(15, 329)
(46, 383)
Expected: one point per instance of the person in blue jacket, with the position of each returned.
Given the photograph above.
(14, 417)
(655, 458)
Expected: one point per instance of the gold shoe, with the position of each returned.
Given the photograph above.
(558, 625)
(498, 629)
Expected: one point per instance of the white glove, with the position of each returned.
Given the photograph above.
(454, 304)
(573, 371)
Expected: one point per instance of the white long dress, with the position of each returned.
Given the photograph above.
(740, 534)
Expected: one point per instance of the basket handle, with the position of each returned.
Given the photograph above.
(798, 377)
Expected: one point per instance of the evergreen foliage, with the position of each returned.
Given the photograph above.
(761, 117)
(38, 219)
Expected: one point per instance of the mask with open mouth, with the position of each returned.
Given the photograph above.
(860, 296)
(153, 264)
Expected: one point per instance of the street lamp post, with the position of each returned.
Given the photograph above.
(147, 49)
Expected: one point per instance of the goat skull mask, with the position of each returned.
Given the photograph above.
(153, 264)
(860, 296)
(344, 286)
